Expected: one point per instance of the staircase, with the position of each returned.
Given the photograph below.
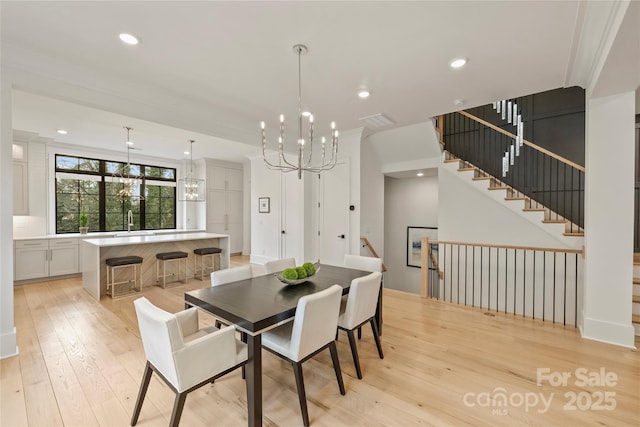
(552, 221)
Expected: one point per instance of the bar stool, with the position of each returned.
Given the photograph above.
(166, 257)
(199, 255)
(123, 262)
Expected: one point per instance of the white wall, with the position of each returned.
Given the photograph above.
(265, 227)
(471, 215)
(609, 208)
(8, 345)
(407, 202)
(371, 200)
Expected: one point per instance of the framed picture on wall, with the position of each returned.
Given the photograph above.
(264, 205)
(414, 242)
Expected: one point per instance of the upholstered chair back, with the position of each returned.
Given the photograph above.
(365, 263)
(315, 323)
(233, 274)
(362, 300)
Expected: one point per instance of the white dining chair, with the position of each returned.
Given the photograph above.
(228, 275)
(365, 263)
(359, 309)
(312, 330)
(279, 265)
(233, 274)
(184, 355)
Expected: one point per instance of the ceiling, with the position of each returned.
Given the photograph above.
(211, 71)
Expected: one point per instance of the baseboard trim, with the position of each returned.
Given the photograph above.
(608, 332)
(8, 345)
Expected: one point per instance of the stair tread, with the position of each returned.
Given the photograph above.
(515, 198)
(635, 318)
(636, 258)
(554, 221)
(481, 178)
(574, 234)
(452, 160)
(498, 188)
(636, 298)
(466, 169)
(636, 280)
(534, 209)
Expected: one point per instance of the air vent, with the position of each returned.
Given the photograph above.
(377, 121)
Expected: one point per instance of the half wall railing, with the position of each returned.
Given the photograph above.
(541, 283)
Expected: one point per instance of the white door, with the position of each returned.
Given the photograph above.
(334, 214)
(292, 231)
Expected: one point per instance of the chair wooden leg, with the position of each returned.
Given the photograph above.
(178, 405)
(359, 332)
(297, 372)
(376, 337)
(146, 377)
(354, 352)
(336, 366)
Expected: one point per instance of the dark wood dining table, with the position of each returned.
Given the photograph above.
(258, 304)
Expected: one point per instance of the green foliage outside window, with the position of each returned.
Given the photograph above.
(86, 185)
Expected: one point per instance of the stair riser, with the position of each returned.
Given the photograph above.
(636, 308)
(637, 328)
(636, 270)
(636, 289)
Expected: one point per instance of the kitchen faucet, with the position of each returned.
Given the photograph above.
(129, 220)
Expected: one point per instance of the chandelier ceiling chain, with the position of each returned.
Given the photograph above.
(304, 154)
(123, 175)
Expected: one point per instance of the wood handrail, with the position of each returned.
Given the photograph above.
(526, 248)
(529, 143)
(373, 251)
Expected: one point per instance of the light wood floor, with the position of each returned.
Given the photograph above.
(81, 362)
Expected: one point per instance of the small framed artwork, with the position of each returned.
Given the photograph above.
(414, 243)
(264, 205)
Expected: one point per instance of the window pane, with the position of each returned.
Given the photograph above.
(67, 163)
(153, 172)
(167, 221)
(112, 167)
(89, 165)
(169, 173)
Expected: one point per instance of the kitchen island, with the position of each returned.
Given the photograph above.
(96, 251)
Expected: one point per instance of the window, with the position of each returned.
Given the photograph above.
(87, 185)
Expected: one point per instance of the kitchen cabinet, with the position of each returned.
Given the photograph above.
(42, 258)
(225, 201)
(20, 179)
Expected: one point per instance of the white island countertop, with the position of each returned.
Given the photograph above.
(95, 252)
(157, 238)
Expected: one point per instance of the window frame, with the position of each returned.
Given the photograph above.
(103, 177)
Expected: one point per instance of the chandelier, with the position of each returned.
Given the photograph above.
(305, 147)
(191, 189)
(130, 184)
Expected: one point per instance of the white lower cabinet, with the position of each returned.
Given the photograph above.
(34, 259)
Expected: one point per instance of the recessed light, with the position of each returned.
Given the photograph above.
(457, 63)
(420, 174)
(128, 38)
(458, 102)
(62, 131)
(306, 113)
(129, 143)
(187, 153)
(364, 94)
